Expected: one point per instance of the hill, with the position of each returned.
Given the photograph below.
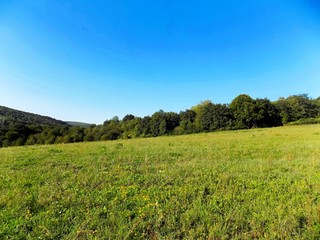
(19, 128)
(79, 124)
(8, 115)
(244, 184)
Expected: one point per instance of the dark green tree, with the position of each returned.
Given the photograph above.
(128, 117)
(250, 113)
(266, 114)
(187, 122)
(296, 107)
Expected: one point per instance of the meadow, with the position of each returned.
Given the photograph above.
(248, 184)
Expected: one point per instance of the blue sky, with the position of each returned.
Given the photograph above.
(92, 60)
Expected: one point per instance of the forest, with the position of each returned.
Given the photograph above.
(18, 128)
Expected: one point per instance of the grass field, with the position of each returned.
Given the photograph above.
(259, 183)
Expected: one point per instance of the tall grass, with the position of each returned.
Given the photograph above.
(260, 183)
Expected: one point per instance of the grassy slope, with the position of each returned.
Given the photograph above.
(261, 183)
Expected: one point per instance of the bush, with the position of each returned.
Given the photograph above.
(304, 121)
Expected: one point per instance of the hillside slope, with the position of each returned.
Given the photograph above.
(79, 124)
(8, 115)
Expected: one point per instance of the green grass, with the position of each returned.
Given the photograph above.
(260, 183)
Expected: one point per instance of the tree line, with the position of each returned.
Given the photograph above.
(243, 112)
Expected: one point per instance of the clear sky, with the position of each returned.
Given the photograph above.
(90, 60)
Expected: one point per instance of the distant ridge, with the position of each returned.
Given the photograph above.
(9, 115)
(79, 124)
